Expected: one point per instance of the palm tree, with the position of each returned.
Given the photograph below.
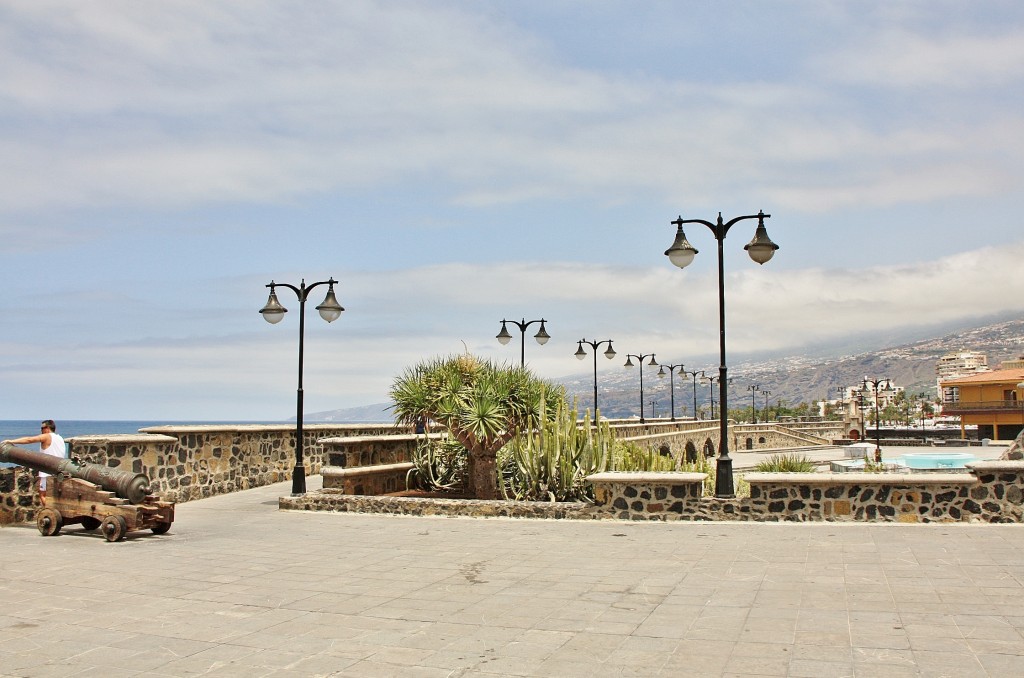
(480, 404)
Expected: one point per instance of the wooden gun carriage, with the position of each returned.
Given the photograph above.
(93, 496)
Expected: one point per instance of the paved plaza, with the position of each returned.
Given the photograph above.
(239, 588)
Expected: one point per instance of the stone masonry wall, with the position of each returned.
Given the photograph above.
(19, 500)
(192, 462)
(991, 492)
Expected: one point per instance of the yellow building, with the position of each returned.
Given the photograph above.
(994, 401)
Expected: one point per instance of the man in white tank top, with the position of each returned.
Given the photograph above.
(49, 443)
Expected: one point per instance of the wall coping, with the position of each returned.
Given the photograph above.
(337, 471)
(668, 434)
(855, 478)
(996, 465)
(123, 438)
(651, 477)
(401, 437)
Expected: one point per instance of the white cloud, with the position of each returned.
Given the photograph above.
(904, 58)
(194, 103)
(252, 375)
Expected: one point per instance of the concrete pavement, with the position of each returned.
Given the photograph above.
(238, 588)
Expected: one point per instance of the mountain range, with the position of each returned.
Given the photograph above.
(908, 359)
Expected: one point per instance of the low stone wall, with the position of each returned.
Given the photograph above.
(372, 480)
(19, 500)
(337, 502)
(370, 450)
(992, 491)
(192, 462)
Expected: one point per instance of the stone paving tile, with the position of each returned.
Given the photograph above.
(246, 590)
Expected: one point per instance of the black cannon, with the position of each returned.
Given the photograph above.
(93, 496)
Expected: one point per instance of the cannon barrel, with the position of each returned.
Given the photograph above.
(131, 486)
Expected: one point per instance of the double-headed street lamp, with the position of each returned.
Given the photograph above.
(711, 383)
(877, 385)
(273, 312)
(694, 374)
(753, 388)
(581, 354)
(671, 383)
(681, 253)
(504, 337)
(640, 359)
(766, 415)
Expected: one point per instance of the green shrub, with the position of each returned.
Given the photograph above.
(633, 457)
(786, 463)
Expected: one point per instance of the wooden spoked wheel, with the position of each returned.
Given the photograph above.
(114, 528)
(49, 522)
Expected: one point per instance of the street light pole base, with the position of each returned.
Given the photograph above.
(723, 479)
(299, 481)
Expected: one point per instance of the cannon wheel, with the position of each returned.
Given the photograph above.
(161, 528)
(89, 523)
(49, 522)
(114, 528)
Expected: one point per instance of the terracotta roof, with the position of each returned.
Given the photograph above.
(1015, 375)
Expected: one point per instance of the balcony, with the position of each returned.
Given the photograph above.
(957, 407)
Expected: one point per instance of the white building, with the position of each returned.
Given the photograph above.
(955, 365)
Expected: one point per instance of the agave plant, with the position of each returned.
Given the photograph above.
(437, 465)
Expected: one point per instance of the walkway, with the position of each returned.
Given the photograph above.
(238, 588)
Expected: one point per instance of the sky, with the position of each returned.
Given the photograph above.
(455, 163)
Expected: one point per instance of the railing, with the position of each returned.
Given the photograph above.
(965, 407)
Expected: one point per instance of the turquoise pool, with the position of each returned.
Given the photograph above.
(936, 460)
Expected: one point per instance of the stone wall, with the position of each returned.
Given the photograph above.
(991, 492)
(370, 450)
(192, 462)
(19, 500)
(685, 438)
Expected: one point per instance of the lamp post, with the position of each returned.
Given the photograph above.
(694, 375)
(330, 310)
(753, 388)
(681, 253)
(841, 390)
(671, 383)
(504, 337)
(640, 359)
(877, 384)
(711, 383)
(581, 354)
(765, 411)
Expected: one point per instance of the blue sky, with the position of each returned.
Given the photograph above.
(454, 163)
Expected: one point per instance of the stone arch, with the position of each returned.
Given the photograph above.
(750, 443)
(709, 448)
(665, 450)
(691, 452)
(762, 440)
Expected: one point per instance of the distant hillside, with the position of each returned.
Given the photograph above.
(811, 376)
(799, 378)
(365, 414)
